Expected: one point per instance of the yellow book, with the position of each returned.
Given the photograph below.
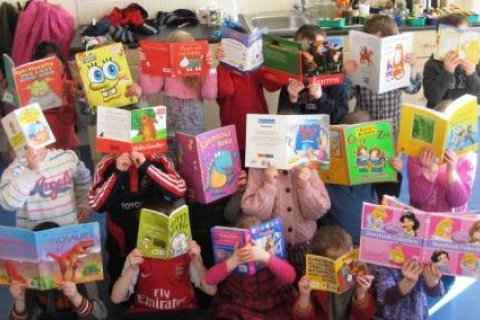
(465, 41)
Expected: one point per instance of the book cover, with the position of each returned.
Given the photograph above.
(242, 51)
(465, 41)
(143, 130)
(164, 237)
(105, 76)
(360, 153)
(335, 276)
(42, 259)
(286, 141)
(27, 127)
(456, 128)
(209, 162)
(381, 65)
(10, 94)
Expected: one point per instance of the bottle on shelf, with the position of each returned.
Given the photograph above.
(355, 12)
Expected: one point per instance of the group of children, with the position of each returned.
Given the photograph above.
(52, 185)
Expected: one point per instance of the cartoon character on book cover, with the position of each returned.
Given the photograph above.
(322, 57)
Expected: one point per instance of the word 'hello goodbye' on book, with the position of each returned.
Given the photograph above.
(175, 58)
(143, 130)
(335, 276)
(42, 259)
(105, 76)
(39, 81)
(456, 128)
(27, 128)
(391, 235)
(164, 236)
(209, 162)
(465, 41)
(360, 153)
(286, 141)
(381, 65)
(268, 235)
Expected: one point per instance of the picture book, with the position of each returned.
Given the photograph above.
(27, 127)
(465, 41)
(286, 141)
(39, 81)
(284, 60)
(175, 58)
(335, 276)
(360, 153)
(268, 235)
(42, 259)
(105, 76)
(242, 51)
(164, 236)
(456, 128)
(209, 162)
(143, 130)
(381, 65)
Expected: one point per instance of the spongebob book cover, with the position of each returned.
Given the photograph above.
(43, 259)
(465, 41)
(105, 76)
(164, 236)
(243, 51)
(27, 127)
(143, 130)
(209, 162)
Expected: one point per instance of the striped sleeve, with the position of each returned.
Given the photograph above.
(162, 171)
(16, 184)
(103, 184)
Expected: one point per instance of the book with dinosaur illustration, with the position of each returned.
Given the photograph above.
(105, 76)
(42, 259)
(242, 51)
(456, 128)
(335, 276)
(164, 236)
(143, 130)
(27, 128)
(285, 60)
(360, 153)
(381, 61)
(175, 58)
(39, 81)
(268, 235)
(209, 162)
(465, 41)
(286, 141)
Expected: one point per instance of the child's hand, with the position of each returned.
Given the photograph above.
(123, 162)
(364, 282)
(294, 88)
(350, 67)
(303, 175)
(242, 181)
(69, 289)
(253, 253)
(427, 159)
(412, 269)
(211, 60)
(468, 67)
(304, 287)
(220, 53)
(410, 58)
(315, 90)
(33, 159)
(194, 251)
(451, 159)
(137, 158)
(431, 274)
(83, 215)
(134, 259)
(134, 90)
(271, 175)
(397, 162)
(141, 56)
(451, 61)
(17, 291)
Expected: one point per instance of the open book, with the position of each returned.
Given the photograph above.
(268, 235)
(286, 141)
(164, 237)
(42, 259)
(335, 276)
(456, 128)
(465, 41)
(381, 65)
(360, 153)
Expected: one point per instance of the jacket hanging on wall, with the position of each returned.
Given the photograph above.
(8, 22)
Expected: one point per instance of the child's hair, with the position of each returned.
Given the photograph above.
(436, 255)
(331, 237)
(48, 48)
(380, 24)
(158, 204)
(192, 82)
(46, 226)
(453, 19)
(308, 32)
(355, 117)
(244, 222)
(442, 105)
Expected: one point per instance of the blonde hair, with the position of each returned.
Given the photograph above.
(244, 222)
(379, 212)
(191, 82)
(441, 226)
(469, 258)
(381, 24)
(355, 117)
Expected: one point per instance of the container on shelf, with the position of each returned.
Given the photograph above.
(331, 23)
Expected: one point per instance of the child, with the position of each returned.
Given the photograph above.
(452, 77)
(300, 98)
(266, 294)
(69, 301)
(298, 195)
(356, 303)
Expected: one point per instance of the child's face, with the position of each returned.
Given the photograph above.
(336, 253)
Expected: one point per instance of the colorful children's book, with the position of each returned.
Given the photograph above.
(105, 76)
(209, 162)
(39, 81)
(143, 130)
(381, 65)
(242, 51)
(285, 60)
(335, 276)
(164, 237)
(268, 235)
(27, 127)
(360, 154)
(456, 128)
(286, 141)
(465, 41)
(175, 58)
(42, 259)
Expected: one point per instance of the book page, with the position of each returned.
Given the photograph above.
(337, 172)
(113, 124)
(189, 58)
(148, 132)
(281, 59)
(321, 273)
(347, 268)
(157, 57)
(180, 233)
(153, 234)
(469, 45)
(448, 40)
(242, 51)
(365, 49)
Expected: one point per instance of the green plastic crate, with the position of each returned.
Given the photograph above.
(415, 21)
(331, 23)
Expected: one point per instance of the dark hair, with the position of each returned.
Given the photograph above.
(437, 253)
(46, 226)
(357, 116)
(330, 237)
(309, 32)
(410, 215)
(453, 19)
(381, 23)
(158, 203)
(47, 48)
